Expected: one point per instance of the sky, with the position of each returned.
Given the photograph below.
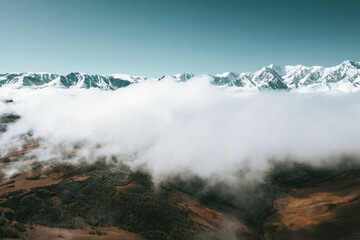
(153, 38)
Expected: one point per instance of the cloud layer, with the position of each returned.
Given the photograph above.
(171, 127)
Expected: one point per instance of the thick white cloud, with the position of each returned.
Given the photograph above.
(171, 127)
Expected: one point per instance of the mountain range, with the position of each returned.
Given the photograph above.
(344, 77)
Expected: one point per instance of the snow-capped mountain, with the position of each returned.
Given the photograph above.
(343, 77)
(74, 79)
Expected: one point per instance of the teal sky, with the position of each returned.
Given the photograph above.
(152, 38)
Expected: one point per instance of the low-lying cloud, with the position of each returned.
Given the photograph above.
(171, 127)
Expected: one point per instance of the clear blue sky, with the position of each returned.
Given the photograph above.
(155, 37)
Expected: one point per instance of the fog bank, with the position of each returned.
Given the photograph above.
(169, 127)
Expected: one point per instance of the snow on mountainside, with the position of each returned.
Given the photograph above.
(74, 79)
(343, 77)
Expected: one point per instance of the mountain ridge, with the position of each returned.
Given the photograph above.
(343, 77)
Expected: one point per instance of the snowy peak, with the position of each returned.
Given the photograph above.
(132, 79)
(74, 79)
(92, 81)
(180, 77)
(343, 77)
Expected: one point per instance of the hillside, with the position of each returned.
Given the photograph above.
(109, 201)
